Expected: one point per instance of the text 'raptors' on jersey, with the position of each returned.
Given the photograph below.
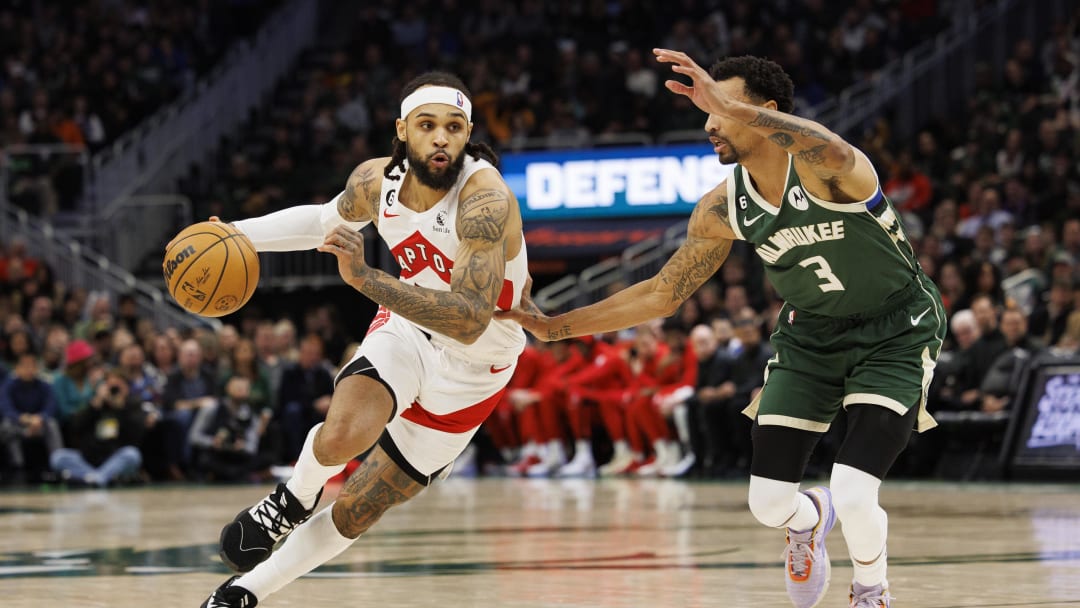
(424, 242)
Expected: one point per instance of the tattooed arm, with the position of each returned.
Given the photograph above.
(842, 175)
(708, 242)
(825, 153)
(486, 216)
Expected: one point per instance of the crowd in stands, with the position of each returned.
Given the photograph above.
(83, 73)
(542, 74)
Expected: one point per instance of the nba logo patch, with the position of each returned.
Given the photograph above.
(791, 317)
(460, 100)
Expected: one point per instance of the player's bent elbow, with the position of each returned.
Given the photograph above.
(663, 305)
(468, 338)
(471, 332)
(839, 157)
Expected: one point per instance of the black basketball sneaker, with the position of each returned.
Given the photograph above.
(230, 596)
(249, 539)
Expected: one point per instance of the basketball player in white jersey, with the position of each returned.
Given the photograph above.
(434, 363)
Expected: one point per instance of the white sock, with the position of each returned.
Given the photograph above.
(530, 449)
(311, 544)
(583, 450)
(779, 504)
(555, 454)
(681, 416)
(622, 449)
(864, 522)
(309, 475)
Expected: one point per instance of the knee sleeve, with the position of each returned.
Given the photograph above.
(855, 498)
(854, 492)
(773, 502)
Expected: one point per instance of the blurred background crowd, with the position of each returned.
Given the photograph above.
(93, 393)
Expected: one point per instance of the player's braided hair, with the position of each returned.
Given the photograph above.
(764, 79)
(442, 79)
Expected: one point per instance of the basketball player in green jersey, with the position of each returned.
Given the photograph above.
(860, 328)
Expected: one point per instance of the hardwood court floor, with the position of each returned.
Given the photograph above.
(538, 543)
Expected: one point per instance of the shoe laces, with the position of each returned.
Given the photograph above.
(270, 514)
(799, 551)
(873, 597)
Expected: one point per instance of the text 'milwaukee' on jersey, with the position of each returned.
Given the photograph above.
(425, 245)
(830, 259)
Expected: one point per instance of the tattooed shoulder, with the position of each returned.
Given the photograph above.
(483, 215)
(360, 200)
(715, 204)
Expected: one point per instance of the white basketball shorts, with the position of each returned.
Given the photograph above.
(440, 399)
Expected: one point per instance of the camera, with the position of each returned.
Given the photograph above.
(114, 390)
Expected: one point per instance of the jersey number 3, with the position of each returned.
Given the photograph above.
(823, 272)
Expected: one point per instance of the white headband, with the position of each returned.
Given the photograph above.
(445, 95)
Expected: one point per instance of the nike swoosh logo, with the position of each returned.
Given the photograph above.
(389, 215)
(746, 222)
(496, 370)
(915, 320)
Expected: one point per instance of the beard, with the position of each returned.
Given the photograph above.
(731, 156)
(439, 179)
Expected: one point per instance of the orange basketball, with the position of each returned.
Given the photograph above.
(211, 269)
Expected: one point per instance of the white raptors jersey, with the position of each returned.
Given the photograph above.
(425, 245)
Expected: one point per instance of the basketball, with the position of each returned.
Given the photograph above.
(211, 269)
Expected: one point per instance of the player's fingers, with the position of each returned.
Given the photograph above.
(333, 249)
(668, 55)
(347, 235)
(677, 87)
(214, 218)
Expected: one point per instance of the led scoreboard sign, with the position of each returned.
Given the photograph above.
(612, 182)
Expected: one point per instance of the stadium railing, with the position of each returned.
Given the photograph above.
(638, 262)
(79, 267)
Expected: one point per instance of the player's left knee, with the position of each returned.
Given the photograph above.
(854, 492)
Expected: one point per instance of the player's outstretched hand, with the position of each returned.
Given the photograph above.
(704, 91)
(528, 315)
(348, 246)
(213, 218)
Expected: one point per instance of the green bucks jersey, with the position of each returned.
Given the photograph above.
(830, 259)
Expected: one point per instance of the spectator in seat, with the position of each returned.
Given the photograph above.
(747, 377)
(1002, 380)
(187, 389)
(908, 188)
(75, 386)
(225, 436)
(106, 437)
(304, 398)
(990, 344)
(1047, 322)
(950, 388)
(28, 412)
